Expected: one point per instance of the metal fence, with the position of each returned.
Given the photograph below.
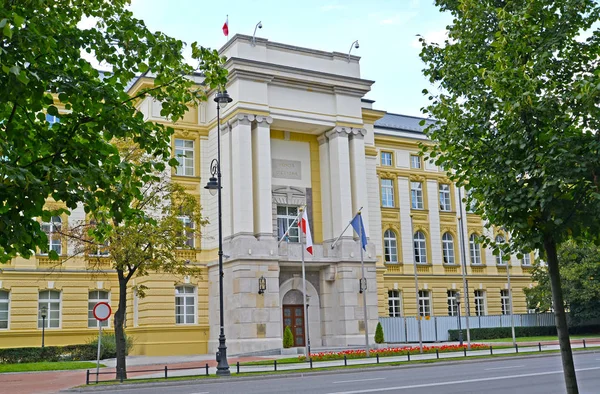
(406, 329)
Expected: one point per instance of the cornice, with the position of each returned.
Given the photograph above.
(371, 115)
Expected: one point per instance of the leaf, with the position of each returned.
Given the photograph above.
(18, 20)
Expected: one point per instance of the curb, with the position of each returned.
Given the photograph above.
(135, 386)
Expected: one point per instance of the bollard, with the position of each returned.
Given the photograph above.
(238, 366)
(517, 348)
(311, 363)
(377, 358)
(206, 369)
(408, 356)
(437, 354)
(465, 351)
(540, 346)
(87, 377)
(491, 351)
(275, 364)
(165, 372)
(584, 343)
(345, 361)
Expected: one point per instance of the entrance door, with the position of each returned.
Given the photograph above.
(293, 316)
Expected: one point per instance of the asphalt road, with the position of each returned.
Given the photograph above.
(531, 375)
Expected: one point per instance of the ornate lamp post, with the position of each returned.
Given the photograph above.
(43, 314)
(214, 186)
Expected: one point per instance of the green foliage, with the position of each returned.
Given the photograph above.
(379, 334)
(75, 161)
(108, 347)
(580, 281)
(47, 366)
(49, 353)
(478, 334)
(288, 338)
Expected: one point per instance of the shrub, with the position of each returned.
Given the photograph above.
(48, 353)
(505, 332)
(379, 334)
(109, 345)
(288, 338)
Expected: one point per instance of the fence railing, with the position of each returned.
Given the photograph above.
(435, 329)
(93, 377)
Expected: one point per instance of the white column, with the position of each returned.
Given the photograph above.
(405, 228)
(434, 222)
(242, 202)
(339, 165)
(325, 187)
(358, 175)
(226, 183)
(261, 168)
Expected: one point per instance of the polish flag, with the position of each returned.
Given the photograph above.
(226, 27)
(306, 230)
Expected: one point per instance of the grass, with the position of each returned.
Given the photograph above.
(538, 339)
(47, 366)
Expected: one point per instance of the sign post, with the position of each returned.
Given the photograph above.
(102, 313)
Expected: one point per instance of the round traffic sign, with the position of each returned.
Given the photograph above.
(102, 311)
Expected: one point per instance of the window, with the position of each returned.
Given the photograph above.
(415, 161)
(420, 248)
(424, 303)
(471, 203)
(475, 250)
(505, 301)
(479, 303)
(448, 248)
(387, 193)
(394, 303)
(285, 217)
(52, 230)
(95, 297)
(445, 198)
(185, 305)
(526, 260)
(499, 258)
(4, 307)
(416, 194)
(188, 226)
(184, 152)
(390, 250)
(386, 158)
(453, 303)
(98, 250)
(49, 301)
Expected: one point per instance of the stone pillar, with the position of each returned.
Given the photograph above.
(226, 192)
(325, 187)
(339, 166)
(261, 168)
(242, 202)
(358, 174)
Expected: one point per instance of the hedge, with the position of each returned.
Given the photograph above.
(505, 332)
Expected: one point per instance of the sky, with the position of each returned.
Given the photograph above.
(386, 31)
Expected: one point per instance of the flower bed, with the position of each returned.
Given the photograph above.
(390, 351)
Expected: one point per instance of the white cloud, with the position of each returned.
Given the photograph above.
(437, 36)
(398, 19)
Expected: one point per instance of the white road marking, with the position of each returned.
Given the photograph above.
(514, 366)
(358, 380)
(416, 386)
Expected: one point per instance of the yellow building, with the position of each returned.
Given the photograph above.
(299, 132)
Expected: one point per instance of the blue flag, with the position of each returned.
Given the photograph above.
(357, 224)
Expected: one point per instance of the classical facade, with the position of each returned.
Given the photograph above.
(298, 132)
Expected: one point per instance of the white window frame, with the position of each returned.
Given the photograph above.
(5, 301)
(185, 296)
(47, 302)
(448, 248)
(416, 195)
(475, 250)
(526, 260)
(480, 302)
(394, 303)
(424, 303)
(420, 247)
(182, 149)
(284, 220)
(452, 302)
(500, 239)
(387, 193)
(188, 223)
(415, 161)
(445, 202)
(390, 247)
(505, 301)
(92, 301)
(52, 230)
(386, 159)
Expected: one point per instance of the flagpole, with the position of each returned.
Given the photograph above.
(307, 347)
(342, 233)
(463, 262)
(364, 280)
(289, 228)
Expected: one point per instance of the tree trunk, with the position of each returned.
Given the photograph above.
(121, 371)
(560, 316)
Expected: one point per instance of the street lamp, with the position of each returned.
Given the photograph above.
(43, 314)
(460, 335)
(262, 285)
(214, 186)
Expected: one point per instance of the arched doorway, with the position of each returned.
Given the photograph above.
(293, 316)
(290, 293)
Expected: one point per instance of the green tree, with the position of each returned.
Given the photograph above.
(517, 118)
(580, 281)
(379, 334)
(288, 338)
(42, 69)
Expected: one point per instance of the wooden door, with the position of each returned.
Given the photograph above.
(293, 316)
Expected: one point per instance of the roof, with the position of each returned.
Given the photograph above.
(400, 122)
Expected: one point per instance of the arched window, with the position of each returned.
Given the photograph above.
(448, 248)
(475, 250)
(390, 249)
(52, 230)
(420, 247)
(500, 240)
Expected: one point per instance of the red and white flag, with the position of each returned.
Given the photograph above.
(226, 26)
(306, 230)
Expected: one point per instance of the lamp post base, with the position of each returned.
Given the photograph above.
(222, 366)
(460, 337)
